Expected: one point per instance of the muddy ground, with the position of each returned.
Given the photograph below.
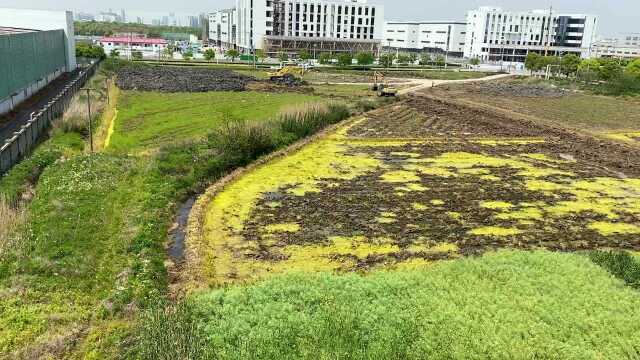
(180, 79)
(516, 89)
(451, 181)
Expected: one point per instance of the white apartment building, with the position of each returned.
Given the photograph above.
(432, 36)
(222, 28)
(293, 25)
(494, 34)
(625, 47)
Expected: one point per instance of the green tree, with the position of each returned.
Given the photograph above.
(569, 64)
(403, 59)
(425, 59)
(90, 51)
(365, 58)
(413, 57)
(283, 56)
(440, 60)
(304, 55)
(474, 61)
(261, 55)
(187, 55)
(232, 54)
(209, 54)
(386, 60)
(168, 51)
(633, 68)
(325, 58)
(609, 69)
(533, 62)
(345, 59)
(114, 53)
(136, 55)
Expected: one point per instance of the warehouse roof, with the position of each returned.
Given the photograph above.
(136, 40)
(11, 30)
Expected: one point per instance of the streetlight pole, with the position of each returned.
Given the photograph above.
(89, 115)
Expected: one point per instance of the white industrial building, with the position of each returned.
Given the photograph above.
(43, 20)
(494, 34)
(126, 45)
(432, 36)
(625, 47)
(222, 28)
(293, 25)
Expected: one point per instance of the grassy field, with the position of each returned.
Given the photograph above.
(148, 120)
(502, 305)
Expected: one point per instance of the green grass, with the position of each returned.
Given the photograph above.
(148, 120)
(504, 305)
(343, 91)
(621, 264)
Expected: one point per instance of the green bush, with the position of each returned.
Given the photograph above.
(620, 264)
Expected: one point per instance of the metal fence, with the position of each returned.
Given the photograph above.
(25, 139)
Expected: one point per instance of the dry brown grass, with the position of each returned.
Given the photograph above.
(11, 217)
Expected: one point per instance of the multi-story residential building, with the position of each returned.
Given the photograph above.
(625, 47)
(313, 25)
(222, 28)
(432, 36)
(494, 34)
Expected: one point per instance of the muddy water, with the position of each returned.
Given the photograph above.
(178, 232)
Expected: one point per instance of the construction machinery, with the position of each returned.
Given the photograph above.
(286, 71)
(382, 86)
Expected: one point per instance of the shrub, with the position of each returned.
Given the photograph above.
(309, 119)
(240, 142)
(621, 84)
(325, 58)
(345, 59)
(620, 264)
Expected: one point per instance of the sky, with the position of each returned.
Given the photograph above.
(616, 16)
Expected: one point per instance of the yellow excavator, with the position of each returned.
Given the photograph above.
(381, 86)
(285, 71)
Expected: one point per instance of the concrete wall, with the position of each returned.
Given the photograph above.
(7, 104)
(43, 20)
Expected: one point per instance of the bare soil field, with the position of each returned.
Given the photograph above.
(180, 79)
(418, 181)
(602, 115)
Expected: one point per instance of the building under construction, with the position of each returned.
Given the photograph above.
(316, 26)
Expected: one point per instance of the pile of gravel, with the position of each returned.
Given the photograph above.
(180, 79)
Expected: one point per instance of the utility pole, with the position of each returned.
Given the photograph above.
(106, 87)
(89, 115)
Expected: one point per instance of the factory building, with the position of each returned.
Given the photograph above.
(626, 46)
(494, 34)
(294, 25)
(430, 36)
(35, 48)
(126, 45)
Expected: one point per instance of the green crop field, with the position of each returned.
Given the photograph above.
(148, 120)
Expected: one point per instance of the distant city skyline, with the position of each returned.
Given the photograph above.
(616, 16)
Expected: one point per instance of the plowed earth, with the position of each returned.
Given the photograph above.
(418, 181)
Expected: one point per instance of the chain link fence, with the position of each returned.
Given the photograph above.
(24, 140)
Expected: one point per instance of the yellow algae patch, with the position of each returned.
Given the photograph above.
(490, 178)
(357, 246)
(541, 185)
(437, 202)
(454, 215)
(602, 206)
(538, 172)
(523, 214)
(273, 204)
(412, 187)
(496, 205)
(495, 231)
(475, 171)
(405, 154)
(399, 176)
(607, 229)
(490, 142)
(304, 189)
(624, 136)
(412, 264)
(419, 207)
(284, 227)
(545, 158)
(386, 218)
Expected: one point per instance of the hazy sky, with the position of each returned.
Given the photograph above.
(615, 15)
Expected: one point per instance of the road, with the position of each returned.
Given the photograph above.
(21, 115)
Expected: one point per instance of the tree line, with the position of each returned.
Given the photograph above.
(98, 28)
(607, 75)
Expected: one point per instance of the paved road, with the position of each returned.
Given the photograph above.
(22, 113)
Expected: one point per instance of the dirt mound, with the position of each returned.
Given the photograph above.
(180, 79)
(519, 89)
(289, 80)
